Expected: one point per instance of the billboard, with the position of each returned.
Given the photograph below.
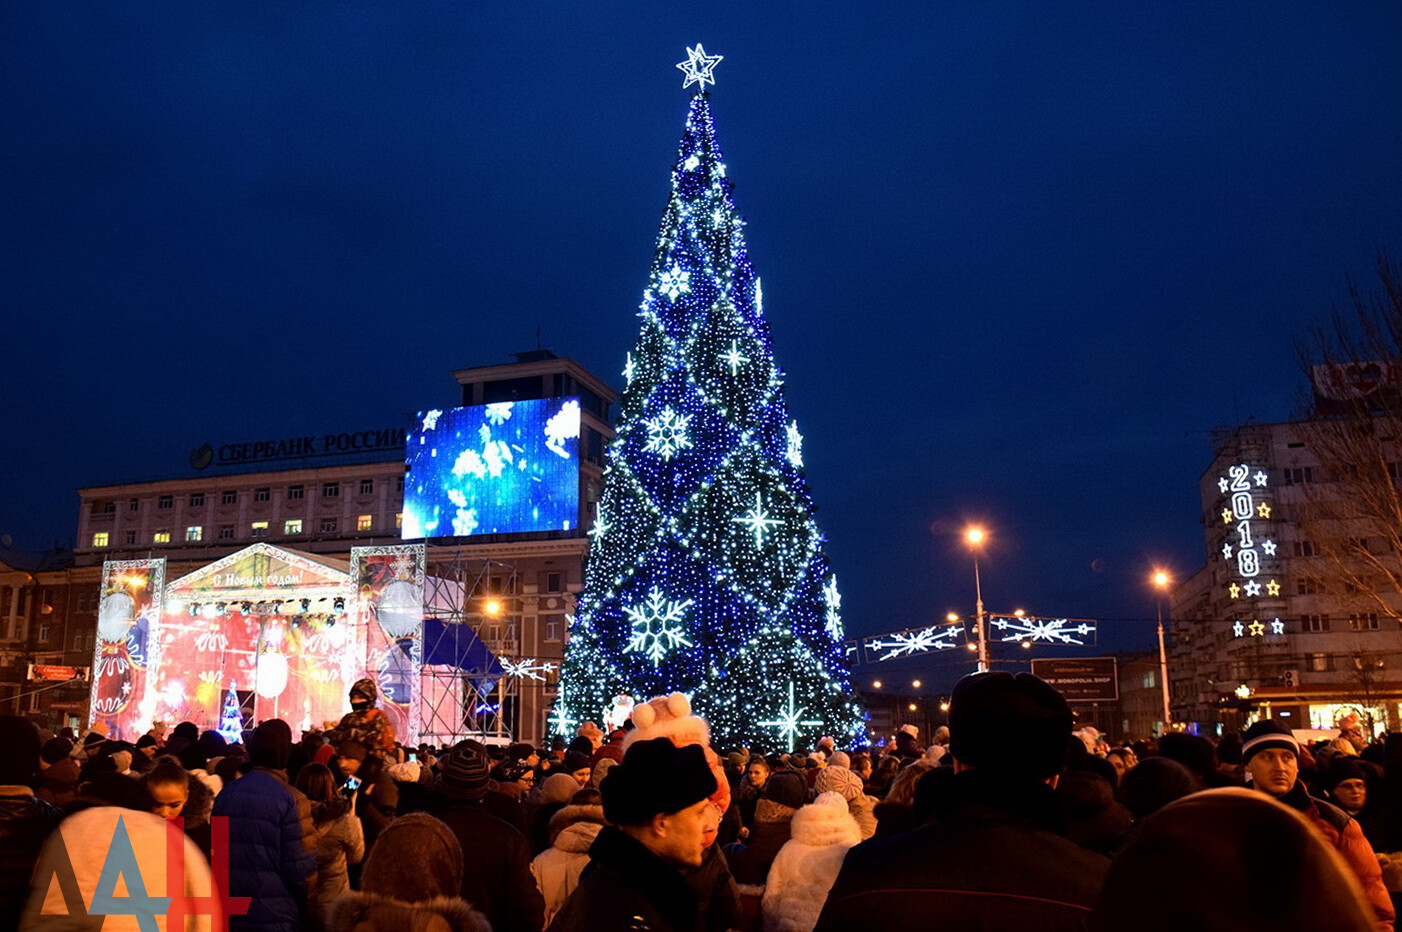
(493, 469)
(1087, 679)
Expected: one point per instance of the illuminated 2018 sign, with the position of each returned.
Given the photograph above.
(1245, 507)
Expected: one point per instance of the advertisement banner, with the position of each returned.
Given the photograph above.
(1087, 679)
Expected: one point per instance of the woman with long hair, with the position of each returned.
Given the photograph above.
(337, 833)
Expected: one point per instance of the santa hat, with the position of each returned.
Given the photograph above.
(667, 717)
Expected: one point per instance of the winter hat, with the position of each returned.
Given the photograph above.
(188, 731)
(322, 756)
(667, 717)
(840, 759)
(271, 744)
(591, 731)
(363, 690)
(353, 750)
(1015, 724)
(464, 775)
(1344, 768)
(414, 859)
(55, 750)
(601, 769)
(575, 761)
(841, 780)
(520, 751)
(581, 745)
(736, 760)
(1268, 733)
(122, 761)
(1153, 784)
(19, 749)
(406, 772)
(558, 788)
(909, 729)
(785, 787)
(656, 777)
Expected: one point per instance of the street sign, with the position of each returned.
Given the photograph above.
(1085, 679)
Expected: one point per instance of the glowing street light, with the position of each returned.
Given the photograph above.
(975, 537)
(1161, 581)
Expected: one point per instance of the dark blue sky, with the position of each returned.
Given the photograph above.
(1018, 258)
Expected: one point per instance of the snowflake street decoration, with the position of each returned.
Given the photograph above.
(699, 67)
(795, 450)
(527, 669)
(912, 642)
(757, 520)
(733, 358)
(675, 281)
(656, 626)
(833, 598)
(666, 433)
(1044, 630)
(789, 721)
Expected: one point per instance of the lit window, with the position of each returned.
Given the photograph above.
(292, 526)
(364, 522)
(160, 537)
(398, 520)
(194, 532)
(100, 539)
(367, 486)
(328, 525)
(259, 529)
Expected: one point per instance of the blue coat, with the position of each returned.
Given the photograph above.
(271, 853)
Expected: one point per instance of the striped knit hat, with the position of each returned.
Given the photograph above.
(1268, 733)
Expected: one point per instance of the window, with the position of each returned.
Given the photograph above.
(100, 539)
(552, 582)
(1304, 548)
(196, 499)
(194, 532)
(104, 508)
(367, 486)
(331, 490)
(399, 485)
(554, 624)
(161, 537)
(364, 522)
(43, 633)
(1148, 680)
(398, 520)
(130, 538)
(229, 498)
(262, 495)
(1363, 621)
(328, 525)
(226, 532)
(295, 493)
(1316, 624)
(1299, 475)
(292, 526)
(133, 504)
(258, 529)
(1305, 585)
(165, 502)
(1321, 663)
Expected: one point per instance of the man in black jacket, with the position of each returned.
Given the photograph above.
(992, 861)
(656, 803)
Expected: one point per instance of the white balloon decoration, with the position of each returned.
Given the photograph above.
(115, 617)
(400, 610)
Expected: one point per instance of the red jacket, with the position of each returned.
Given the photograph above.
(1345, 836)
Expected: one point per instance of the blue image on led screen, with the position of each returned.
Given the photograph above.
(493, 469)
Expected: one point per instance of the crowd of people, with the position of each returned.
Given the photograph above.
(1009, 818)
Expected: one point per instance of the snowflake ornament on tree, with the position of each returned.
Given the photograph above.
(666, 434)
(657, 626)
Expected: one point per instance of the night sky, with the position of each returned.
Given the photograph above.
(1019, 259)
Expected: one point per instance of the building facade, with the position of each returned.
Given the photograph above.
(1265, 627)
(321, 495)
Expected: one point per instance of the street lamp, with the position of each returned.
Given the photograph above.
(1161, 581)
(975, 536)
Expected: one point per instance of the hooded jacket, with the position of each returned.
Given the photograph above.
(805, 868)
(557, 868)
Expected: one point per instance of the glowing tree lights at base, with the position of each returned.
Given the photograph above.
(706, 570)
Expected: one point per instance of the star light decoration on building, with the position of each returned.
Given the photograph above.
(1242, 509)
(1256, 628)
(757, 521)
(699, 68)
(667, 433)
(789, 721)
(911, 642)
(529, 668)
(1044, 630)
(656, 626)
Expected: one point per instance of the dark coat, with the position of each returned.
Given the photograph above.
(627, 887)
(992, 864)
(24, 824)
(496, 876)
(271, 853)
(750, 865)
(717, 896)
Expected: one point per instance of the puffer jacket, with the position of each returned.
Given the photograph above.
(1345, 836)
(339, 841)
(557, 868)
(271, 855)
(366, 912)
(805, 868)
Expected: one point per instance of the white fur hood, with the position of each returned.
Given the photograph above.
(825, 821)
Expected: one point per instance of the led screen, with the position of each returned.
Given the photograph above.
(493, 469)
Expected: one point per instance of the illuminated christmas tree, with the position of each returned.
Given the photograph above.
(706, 574)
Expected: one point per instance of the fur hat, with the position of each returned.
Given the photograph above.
(667, 717)
(1268, 733)
(656, 777)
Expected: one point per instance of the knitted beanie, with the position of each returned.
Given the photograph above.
(841, 780)
(1268, 733)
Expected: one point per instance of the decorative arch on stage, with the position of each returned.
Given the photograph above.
(269, 632)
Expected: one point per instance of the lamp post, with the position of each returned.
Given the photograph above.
(1162, 581)
(975, 536)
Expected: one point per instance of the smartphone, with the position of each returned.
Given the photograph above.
(413, 757)
(351, 785)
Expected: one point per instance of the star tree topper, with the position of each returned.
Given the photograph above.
(699, 67)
